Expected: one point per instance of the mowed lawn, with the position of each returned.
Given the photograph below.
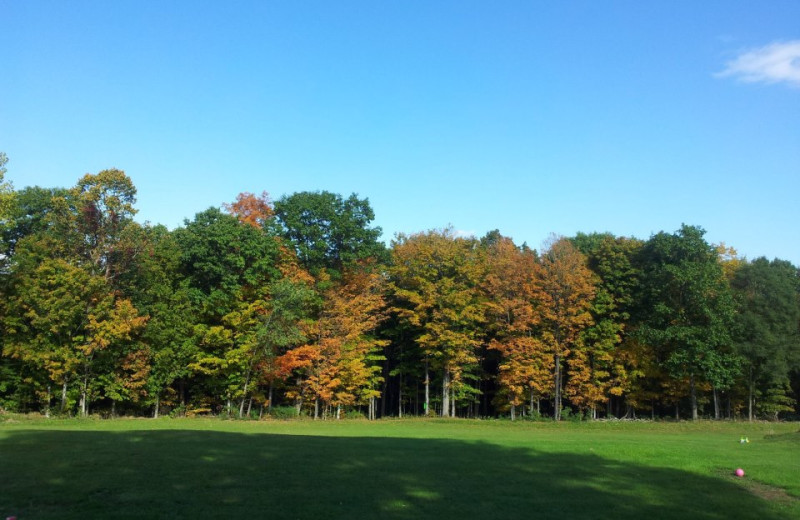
(403, 469)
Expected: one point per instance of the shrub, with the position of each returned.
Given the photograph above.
(283, 412)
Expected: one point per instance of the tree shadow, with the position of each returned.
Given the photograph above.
(201, 474)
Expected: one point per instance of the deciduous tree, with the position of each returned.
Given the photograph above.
(689, 308)
(767, 335)
(328, 231)
(564, 290)
(525, 365)
(436, 280)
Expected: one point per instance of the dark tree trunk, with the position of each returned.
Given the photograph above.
(750, 397)
(557, 388)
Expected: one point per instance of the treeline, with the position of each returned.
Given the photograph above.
(258, 307)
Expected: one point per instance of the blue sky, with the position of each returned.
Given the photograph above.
(530, 117)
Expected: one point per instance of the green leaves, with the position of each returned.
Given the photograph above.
(328, 231)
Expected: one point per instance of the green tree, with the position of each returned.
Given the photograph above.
(767, 335)
(688, 308)
(225, 262)
(63, 319)
(6, 189)
(328, 231)
(611, 259)
(228, 267)
(29, 214)
(291, 304)
(157, 288)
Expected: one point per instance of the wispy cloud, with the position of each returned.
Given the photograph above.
(463, 233)
(775, 63)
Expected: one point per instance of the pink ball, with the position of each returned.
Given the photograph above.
(740, 472)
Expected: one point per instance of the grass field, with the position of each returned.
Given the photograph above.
(396, 469)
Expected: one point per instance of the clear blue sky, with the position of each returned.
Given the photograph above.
(530, 117)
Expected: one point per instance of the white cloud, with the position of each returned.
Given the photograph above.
(775, 63)
(462, 233)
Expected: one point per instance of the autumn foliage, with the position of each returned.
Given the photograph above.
(298, 306)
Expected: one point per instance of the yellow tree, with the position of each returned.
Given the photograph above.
(115, 332)
(436, 285)
(564, 290)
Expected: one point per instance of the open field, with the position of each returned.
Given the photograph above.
(209, 468)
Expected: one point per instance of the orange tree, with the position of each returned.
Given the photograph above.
(524, 365)
(564, 289)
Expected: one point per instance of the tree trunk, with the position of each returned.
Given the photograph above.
(531, 402)
(445, 393)
(249, 405)
(47, 404)
(384, 396)
(244, 393)
(716, 403)
(677, 411)
(338, 412)
(693, 393)
(182, 390)
(299, 403)
(750, 397)
(113, 408)
(64, 395)
(400, 395)
(155, 408)
(269, 402)
(84, 395)
(513, 409)
(241, 405)
(557, 403)
(427, 389)
(316, 408)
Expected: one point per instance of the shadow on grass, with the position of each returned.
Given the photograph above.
(196, 474)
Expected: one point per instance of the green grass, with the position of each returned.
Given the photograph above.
(409, 469)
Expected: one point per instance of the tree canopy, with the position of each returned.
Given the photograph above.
(299, 308)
